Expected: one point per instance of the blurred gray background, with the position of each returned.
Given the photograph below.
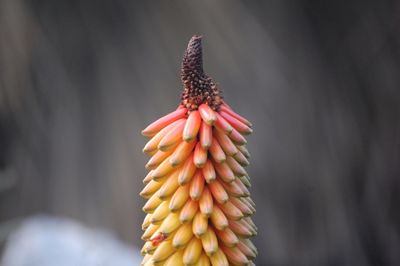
(318, 79)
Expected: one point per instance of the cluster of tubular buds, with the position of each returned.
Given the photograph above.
(199, 206)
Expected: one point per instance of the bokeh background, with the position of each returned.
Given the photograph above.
(318, 79)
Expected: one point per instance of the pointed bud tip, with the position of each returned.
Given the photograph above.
(195, 38)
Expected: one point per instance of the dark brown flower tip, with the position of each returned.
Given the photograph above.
(193, 57)
(198, 88)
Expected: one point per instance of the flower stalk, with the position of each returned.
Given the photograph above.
(198, 201)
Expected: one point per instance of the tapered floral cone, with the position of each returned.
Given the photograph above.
(198, 202)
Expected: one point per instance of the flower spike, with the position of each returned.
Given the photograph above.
(198, 201)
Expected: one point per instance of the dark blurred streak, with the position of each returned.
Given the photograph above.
(319, 80)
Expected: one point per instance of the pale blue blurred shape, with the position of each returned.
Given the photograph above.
(53, 241)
